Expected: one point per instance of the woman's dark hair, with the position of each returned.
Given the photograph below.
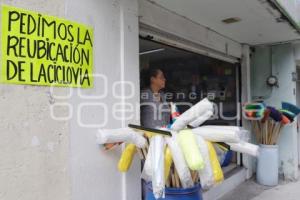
(146, 75)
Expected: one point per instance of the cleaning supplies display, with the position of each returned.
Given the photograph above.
(267, 123)
(176, 156)
(271, 120)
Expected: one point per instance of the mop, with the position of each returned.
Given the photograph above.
(245, 147)
(192, 114)
(201, 119)
(187, 141)
(180, 163)
(120, 135)
(206, 174)
(216, 167)
(168, 162)
(126, 158)
(290, 115)
(215, 134)
(157, 166)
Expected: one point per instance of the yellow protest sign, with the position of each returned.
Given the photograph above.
(39, 49)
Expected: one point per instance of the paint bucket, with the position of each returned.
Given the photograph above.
(267, 165)
(193, 193)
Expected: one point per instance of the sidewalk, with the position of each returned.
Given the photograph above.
(252, 191)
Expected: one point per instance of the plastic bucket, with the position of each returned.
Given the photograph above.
(267, 165)
(194, 193)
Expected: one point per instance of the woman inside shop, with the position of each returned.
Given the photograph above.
(155, 111)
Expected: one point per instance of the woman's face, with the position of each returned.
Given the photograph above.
(159, 80)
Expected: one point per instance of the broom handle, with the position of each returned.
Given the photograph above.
(273, 134)
(142, 157)
(255, 128)
(177, 179)
(194, 176)
(277, 133)
(168, 182)
(173, 180)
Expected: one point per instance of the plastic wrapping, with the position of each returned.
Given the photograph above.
(216, 167)
(200, 120)
(180, 163)
(245, 147)
(206, 174)
(126, 158)
(174, 112)
(120, 135)
(218, 135)
(147, 170)
(233, 128)
(244, 135)
(157, 156)
(187, 141)
(192, 114)
(168, 162)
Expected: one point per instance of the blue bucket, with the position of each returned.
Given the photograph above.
(193, 193)
(227, 158)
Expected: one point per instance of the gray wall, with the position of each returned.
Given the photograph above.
(43, 158)
(94, 171)
(283, 64)
(34, 148)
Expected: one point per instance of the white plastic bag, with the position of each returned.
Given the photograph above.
(147, 170)
(206, 174)
(245, 147)
(180, 163)
(158, 166)
(217, 135)
(201, 119)
(192, 114)
(120, 135)
(244, 134)
(233, 128)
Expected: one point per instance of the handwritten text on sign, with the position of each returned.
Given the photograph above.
(44, 50)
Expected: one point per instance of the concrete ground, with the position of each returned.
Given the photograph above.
(250, 190)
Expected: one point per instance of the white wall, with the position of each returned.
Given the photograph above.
(33, 147)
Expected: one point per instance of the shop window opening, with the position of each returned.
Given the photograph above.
(191, 77)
